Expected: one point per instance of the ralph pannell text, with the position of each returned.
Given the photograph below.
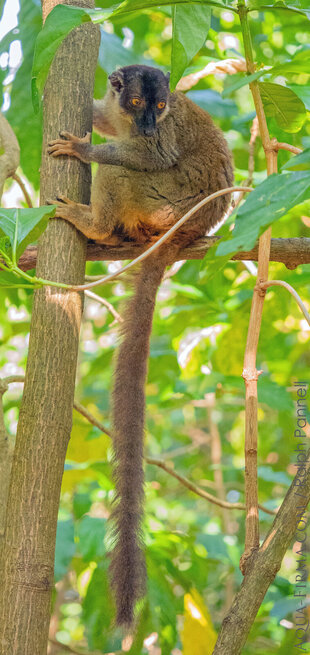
(301, 446)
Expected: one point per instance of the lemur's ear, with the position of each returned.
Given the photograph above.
(117, 80)
(168, 77)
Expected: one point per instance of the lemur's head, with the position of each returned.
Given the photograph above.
(143, 96)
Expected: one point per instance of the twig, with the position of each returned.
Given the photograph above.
(251, 164)
(106, 303)
(281, 283)
(276, 145)
(290, 252)
(23, 188)
(9, 159)
(91, 418)
(250, 373)
(198, 491)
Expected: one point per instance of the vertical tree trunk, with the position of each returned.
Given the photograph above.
(46, 412)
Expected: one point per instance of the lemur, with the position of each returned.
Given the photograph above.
(163, 155)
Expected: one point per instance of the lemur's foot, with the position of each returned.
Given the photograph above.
(69, 144)
(65, 208)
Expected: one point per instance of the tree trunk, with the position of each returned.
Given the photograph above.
(46, 412)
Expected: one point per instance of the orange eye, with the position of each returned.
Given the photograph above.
(161, 105)
(135, 102)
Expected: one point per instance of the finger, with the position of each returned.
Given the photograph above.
(56, 152)
(65, 200)
(55, 142)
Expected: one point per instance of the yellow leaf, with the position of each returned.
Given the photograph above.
(198, 635)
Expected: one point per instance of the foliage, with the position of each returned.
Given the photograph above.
(195, 391)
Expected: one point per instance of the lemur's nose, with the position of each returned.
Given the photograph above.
(149, 130)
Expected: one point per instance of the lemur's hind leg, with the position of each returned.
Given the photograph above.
(82, 217)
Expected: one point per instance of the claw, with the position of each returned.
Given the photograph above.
(65, 200)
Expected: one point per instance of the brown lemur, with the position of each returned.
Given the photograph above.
(163, 155)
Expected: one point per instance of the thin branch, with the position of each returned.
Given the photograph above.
(91, 418)
(251, 164)
(201, 492)
(281, 283)
(250, 373)
(291, 252)
(20, 182)
(106, 303)
(276, 145)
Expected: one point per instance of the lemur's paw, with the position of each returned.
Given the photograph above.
(65, 208)
(68, 145)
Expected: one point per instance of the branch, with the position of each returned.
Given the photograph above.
(201, 492)
(9, 160)
(263, 566)
(106, 304)
(281, 283)
(291, 252)
(250, 373)
(21, 184)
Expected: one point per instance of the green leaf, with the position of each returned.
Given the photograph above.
(213, 102)
(284, 105)
(91, 532)
(65, 548)
(20, 112)
(300, 162)
(5, 246)
(24, 226)
(303, 92)
(266, 204)
(98, 613)
(190, 26)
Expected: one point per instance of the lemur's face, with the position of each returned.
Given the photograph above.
(143, 95)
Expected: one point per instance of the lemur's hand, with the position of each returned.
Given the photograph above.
(70, 145)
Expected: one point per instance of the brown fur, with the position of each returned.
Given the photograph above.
(144, 184)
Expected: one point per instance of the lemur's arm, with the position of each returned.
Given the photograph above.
(135, 154)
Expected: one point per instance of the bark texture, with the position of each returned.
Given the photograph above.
(46, 412)
(291, 252)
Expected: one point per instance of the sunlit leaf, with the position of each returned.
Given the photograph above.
(300, 162)
(198, 635)
(190, 25)
(266, 204)
(284, 105)
(24, 226)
